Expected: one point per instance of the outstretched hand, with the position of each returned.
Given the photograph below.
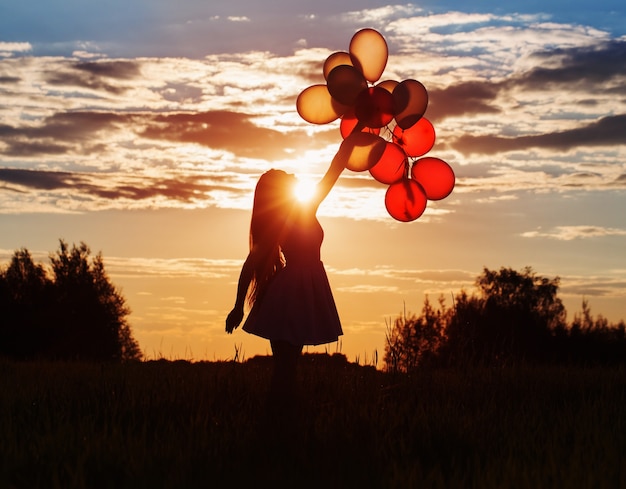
(233, 320)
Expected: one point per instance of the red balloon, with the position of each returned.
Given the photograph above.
(418, 139)
(410, 100)
(435, 176)
(405, 200)
(374, 107)
(391, 166)
(349, 123)
(345, 83)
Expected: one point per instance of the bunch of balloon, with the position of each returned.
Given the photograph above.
(383, 123)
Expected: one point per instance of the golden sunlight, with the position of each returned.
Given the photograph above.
(304, 189)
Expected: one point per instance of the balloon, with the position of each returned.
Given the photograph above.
(345, 83)
(374, 107)
(388, 85)
(405, 200)
(391, 166)
(435, 176)
(365, 150)
(315, 105)
(410, 100)
(336, 59)
(369, 52)
(349, 123)
(418, 139)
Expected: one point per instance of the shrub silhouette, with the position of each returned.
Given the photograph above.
(516, 316)
(414, 340)
(74, 312)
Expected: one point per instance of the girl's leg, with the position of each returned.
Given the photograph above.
(286, 358)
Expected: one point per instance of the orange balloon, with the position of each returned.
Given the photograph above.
(388, 85)
(365, 150)
(345, 83)
(336, 59)
(369, 52)
(391, 166)
(410, 100)
(418, 139)
(315, 105)
(435, 176)
(349, 123)
(405, 200)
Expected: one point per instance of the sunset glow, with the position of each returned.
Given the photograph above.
(145, 140)
(305, 189)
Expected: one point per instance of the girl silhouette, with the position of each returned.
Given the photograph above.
(283, 278)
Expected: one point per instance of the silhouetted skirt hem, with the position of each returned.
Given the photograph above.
(298, 307)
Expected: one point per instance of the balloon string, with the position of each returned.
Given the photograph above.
(358, 128)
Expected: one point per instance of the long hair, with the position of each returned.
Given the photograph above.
(272, 198)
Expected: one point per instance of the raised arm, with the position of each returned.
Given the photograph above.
(329, 179)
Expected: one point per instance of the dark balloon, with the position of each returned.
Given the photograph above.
(405, 200)
(410, 100)
(345, 83)
(435, 176)
(391, 166)
(336, 59)
(374, 107)
(418, 139)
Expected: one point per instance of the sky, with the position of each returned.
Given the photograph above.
(141, 126)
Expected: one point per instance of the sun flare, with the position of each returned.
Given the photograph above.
(304, 189)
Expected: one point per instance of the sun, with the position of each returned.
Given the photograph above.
(304, 189)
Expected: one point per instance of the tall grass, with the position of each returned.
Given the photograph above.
(180, 424)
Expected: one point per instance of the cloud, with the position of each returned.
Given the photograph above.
(163, 268)
(611, 285)
(583, 66)
(607, 131)
(10, 48)
(184, 188)
(231, 131)
(96, 75)
(9, 80)
(473, 97)
(368, 289)
(57, 134)
(568, 233)
(83, 133)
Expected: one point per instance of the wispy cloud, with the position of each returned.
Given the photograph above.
(568, 233)
(10, 48)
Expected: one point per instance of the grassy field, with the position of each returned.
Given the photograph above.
(186, 425)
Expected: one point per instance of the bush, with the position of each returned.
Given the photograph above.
(515, 317)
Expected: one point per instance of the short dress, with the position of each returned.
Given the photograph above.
(298, 305)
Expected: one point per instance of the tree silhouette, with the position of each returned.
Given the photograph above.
(25, 298)
(76, 314)
(513, 318)
(520, 312)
